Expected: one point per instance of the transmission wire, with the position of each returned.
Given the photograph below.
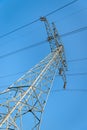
(22, 49)
(74, 31)
(68, 74)
(69, 90)
(62, 7)
(28, 24)
(42, 42)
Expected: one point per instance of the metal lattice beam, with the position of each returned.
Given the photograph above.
(29, 93)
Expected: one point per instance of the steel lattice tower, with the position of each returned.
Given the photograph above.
(29, 94)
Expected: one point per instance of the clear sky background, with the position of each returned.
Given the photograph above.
(65, 110)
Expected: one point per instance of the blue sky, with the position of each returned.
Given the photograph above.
(65, 109)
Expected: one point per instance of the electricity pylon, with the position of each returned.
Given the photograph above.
(29, 94)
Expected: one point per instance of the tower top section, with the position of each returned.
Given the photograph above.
(53, 37)
(55, 43)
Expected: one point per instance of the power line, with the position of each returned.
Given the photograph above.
(28, 24)
(14, 74)
(68, 4)
(22, 49)
(63, 90)
(71, 14)
(77, 74)
(74, 31)
(69, 90)
(70, 74)
(77, 60)
(19, 28)
(42, 42)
